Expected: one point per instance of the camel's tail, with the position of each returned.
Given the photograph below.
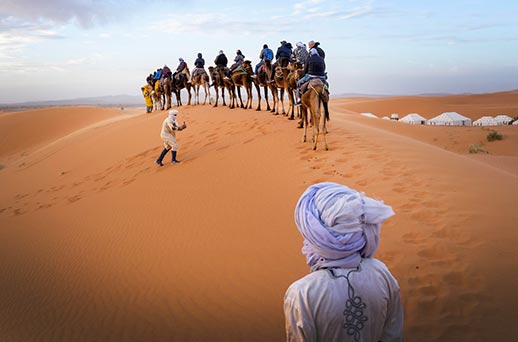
(324, 97)
(326, 110)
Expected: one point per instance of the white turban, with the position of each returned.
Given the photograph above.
(339, 225)
(300, 44)
(172, 116)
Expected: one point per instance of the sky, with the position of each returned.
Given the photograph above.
(64, 49)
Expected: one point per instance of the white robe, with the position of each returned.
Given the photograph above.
(168, 135)
(314, 306)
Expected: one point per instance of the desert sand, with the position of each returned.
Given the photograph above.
(98, 243)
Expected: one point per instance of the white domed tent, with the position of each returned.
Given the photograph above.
(369, 115)
(385, 118)
(449, 119)
(503, 119)
(413, 118)
(515, 122)
(485, 121)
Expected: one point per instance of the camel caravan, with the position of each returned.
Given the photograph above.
(299, 72)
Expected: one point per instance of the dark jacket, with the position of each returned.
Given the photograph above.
(199, 62)
(315, 65)
(321, 52)
(181, 66)
(166, 72)
(221, 60)
(283, 52)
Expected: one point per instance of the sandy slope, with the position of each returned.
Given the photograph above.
(98, 243)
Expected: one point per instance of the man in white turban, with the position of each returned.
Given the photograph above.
(348, 296)
(168, 135)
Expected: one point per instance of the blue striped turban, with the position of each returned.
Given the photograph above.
(340, 226)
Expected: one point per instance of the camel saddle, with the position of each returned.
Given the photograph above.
(316, 81)
(179, 77)
(198, 71)
(239, 69)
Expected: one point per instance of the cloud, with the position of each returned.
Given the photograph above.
(333, 9)
(85, 12)
(202, 22)
(15, 35)
(20, 66)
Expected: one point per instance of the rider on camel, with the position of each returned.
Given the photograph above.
(221, 62)
(166, 72)
(265, 55)
(240, 58)
(283, 53)
(199, 64)
(182, 68)
(315, 68)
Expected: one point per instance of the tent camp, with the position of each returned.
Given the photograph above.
(503, 119)
(369, 115)
(449, 119)
(413, 118)
(485, 121)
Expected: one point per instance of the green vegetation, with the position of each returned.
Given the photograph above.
(477, 148)
(494, 135)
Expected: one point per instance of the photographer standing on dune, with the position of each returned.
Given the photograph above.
(168, 135)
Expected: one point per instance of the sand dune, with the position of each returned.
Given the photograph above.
(98, 243)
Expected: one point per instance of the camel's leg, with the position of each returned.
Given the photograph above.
(282, 101)
(168, 101)
(249, 100)
(258, 88)
(275, 96)
(304, 122)
(223, 96)
(239, 94)
(291, 99)
(207, 94)
(233, 99)
(217, 95)
(266, 98)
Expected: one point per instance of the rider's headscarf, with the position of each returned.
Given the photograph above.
(340, 225)
(172, 117)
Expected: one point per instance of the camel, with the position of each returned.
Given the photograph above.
(219, 81)
(315, 96)
(242, 77)
(261, 81)
(281, 73)
(199, 79)
(272, 86)
(290, 85)
(180, 82)
(167, 87)
(156, 96)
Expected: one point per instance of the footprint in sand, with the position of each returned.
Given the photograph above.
(18, 212)
(74, 198)
(128, 181)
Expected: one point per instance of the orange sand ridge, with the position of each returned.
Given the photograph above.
(98, 243)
